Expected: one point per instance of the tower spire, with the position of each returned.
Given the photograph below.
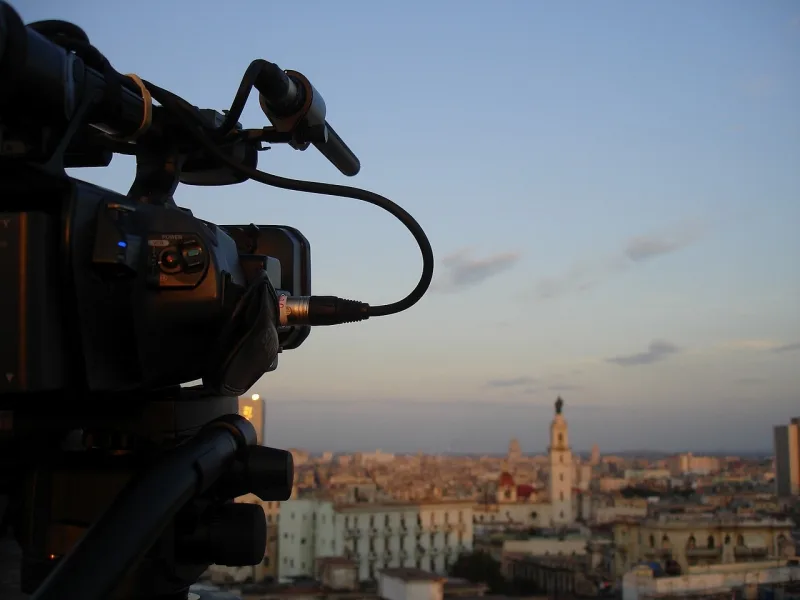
(559, 405)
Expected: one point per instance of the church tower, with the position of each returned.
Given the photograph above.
(561, 469)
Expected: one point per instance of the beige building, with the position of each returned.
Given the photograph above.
(689, 464)
(694, 540)
(787, 459)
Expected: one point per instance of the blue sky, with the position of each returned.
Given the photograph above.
(618, 183)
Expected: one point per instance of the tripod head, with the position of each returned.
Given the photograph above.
(119, 480)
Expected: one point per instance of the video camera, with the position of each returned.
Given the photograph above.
(119, 480)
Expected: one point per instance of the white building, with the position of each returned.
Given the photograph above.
(376, 536)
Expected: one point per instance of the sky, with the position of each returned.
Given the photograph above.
(612, 192)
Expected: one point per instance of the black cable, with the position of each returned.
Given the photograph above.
(75, 39)
(179, 107)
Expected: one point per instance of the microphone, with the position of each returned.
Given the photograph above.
(292, 104)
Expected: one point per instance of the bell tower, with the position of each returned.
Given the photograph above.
(561, 469)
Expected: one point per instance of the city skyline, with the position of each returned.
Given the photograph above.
(488, 430)
(610, 191)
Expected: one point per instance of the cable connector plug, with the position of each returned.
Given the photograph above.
(319, 310)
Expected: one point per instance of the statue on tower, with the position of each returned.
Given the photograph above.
(559, 405)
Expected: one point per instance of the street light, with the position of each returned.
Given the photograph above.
(255, 397)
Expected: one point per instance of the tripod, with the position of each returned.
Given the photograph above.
(140, 504)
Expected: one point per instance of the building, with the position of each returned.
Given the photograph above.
(375, 536)
(689, 464)
(558, 504)
(514, 451)
(748, 580)
(698, 540)
(595, 459)
(561, 469)
(787, 459)
(254, 410)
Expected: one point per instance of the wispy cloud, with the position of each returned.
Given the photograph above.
(657, 351)
(639, 249)
(511, 382)
(460, 270)
(786, 348)
(565, 387)
(748, 345)
(645, 247)
(760, 86)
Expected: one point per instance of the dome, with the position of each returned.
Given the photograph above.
(505, 480)
(525, 490)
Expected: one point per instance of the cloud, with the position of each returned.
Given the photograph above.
(510, 382)
(460, 270)
(580, 278)
(751, 380)
(760, 86)
(585, 275)
(645, 247)
(786, 348)
(565, 387)
(658, 350)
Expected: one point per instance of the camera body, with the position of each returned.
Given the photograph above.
(107, 294)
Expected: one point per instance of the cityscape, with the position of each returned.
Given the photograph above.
(552, 525)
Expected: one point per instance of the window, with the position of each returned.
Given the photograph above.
(561, 458)
(461, 516)
(561, 495)
(561, 514)
(302, 540)
(710, 543)
(292, 515)
(652, 541)
(561, 477)
(560, 438)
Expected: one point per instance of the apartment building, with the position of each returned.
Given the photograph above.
(375, 536)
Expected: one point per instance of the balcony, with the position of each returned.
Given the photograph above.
(745, 552)
(703, 552)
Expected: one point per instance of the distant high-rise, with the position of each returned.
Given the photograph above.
(787, 459)
(254, 410)
(514, 450)
(595, 460)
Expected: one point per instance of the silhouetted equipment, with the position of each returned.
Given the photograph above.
(120, 480)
